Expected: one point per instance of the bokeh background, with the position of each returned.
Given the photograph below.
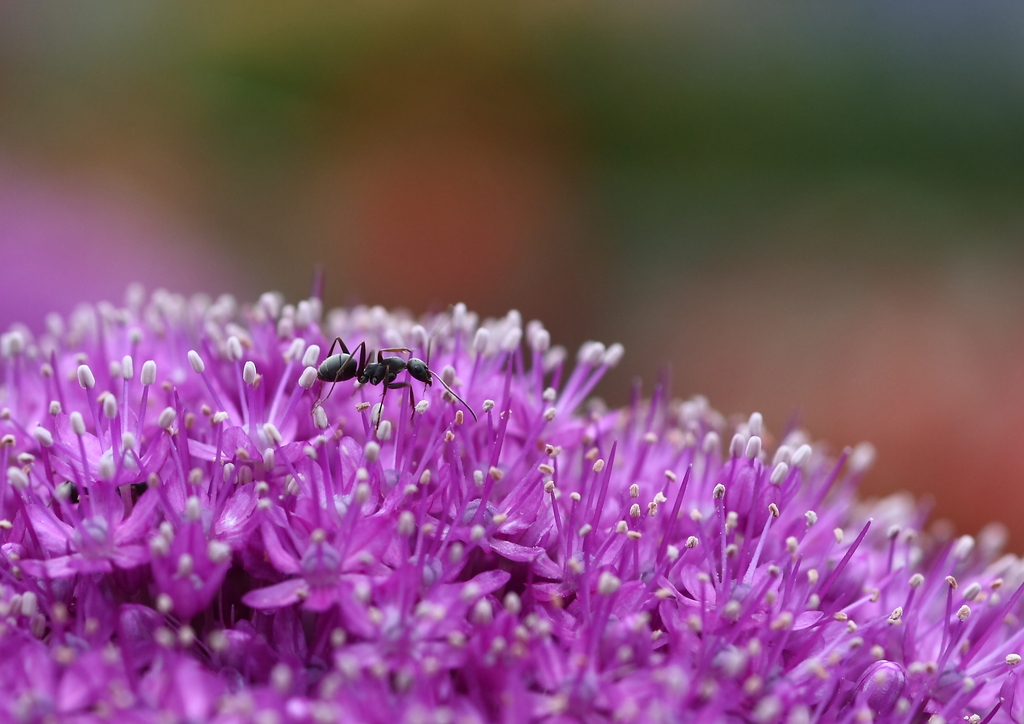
(808, 209)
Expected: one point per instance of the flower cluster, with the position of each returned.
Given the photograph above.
(196, 528)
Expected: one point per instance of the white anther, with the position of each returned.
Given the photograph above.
(307, 378)
(711, 444)
(198, 366)
(166, 418)
(193, 508)
(613, 355)
(972, 591)
(861, 458)
(963, 547)
(42, 436)
(219, 417)
(779, 473)
(105, 466)
(608, 583)
(422, 406)
(1012, 659)
(109, 407)
(148, 376)
(477, 532)
(272, 433)
(483, 614)
(372, 451)
(510, 342)
(268, 458)
(127, 367)
(591, 353)
(320, 417)
(29, 604)
(792, 544)
(295, 349)
(540, 341)
(782, 455)
(719, 492)
(801, 456)
(17, 478)
(384, 430)
(916, 580)
(549, 414)
(85, 377)
(755, 424)
(376, 413)
(481, 340)
(692, 542)
(12, 343)
(218, 551)
(406, 523)
(185, 565)
(233, 347)
(249, 372)
(77, 423)
(811, 518)
(311, 356)
(964, 612)
(737, 445)
(512, 603)
(753, 447)
(271, 303)
(362, 493)
(54, 408)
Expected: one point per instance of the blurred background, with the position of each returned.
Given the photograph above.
(811, 210)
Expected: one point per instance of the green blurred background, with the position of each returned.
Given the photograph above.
(810, 210)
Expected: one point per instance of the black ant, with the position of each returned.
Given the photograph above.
(340, 367)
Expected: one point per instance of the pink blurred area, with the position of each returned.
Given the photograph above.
(922, 361)
(64, 243)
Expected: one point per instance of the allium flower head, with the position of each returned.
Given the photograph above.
(186, 535)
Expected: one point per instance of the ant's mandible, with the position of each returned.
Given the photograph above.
(345, 366)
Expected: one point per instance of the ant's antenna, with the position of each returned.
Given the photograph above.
(453, 394)
(430, 340)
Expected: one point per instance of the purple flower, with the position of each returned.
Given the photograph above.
(194, 528)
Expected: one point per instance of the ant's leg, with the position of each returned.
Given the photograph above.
(412, 401)
(412, 395)
(395, 349)
(337, 340)
(320, 400)
(362, 355)
(380, 415)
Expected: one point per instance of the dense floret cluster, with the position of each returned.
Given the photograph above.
(187, 536)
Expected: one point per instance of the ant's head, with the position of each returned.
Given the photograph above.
(419, 370)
